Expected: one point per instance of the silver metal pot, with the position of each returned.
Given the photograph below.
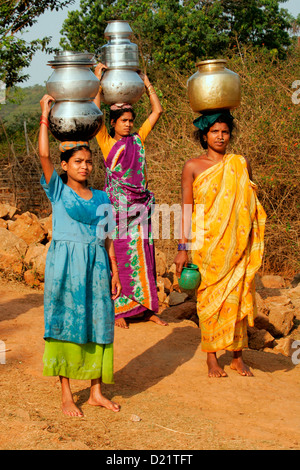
(75, 120)
(73, 85)
(120, 83)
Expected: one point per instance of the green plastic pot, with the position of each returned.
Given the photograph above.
(190, 277)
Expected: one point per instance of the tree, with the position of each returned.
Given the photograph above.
(180, 32)
(15, 52)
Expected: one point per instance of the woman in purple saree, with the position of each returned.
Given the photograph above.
(127, 188)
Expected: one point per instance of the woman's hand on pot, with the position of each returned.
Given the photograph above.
(99, 69)
(144, 78)
(180, 261)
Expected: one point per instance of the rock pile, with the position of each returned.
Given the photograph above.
(25, 239)
(24, 242)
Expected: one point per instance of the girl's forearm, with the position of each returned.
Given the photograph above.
(44, 149)
(109, 245)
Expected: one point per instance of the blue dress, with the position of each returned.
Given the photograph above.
(77, 298)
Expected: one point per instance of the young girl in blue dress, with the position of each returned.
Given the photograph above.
(81, 275)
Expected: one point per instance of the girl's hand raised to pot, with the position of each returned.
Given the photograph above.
(46, 103)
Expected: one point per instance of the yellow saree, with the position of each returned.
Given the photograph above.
(228, 252)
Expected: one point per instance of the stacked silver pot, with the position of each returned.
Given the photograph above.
(121, 82)
(74, 116)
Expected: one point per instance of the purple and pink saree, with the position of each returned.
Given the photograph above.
(126, 187)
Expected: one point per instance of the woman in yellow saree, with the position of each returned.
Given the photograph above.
(227, 224)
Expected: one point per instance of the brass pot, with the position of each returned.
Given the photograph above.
(214, 87)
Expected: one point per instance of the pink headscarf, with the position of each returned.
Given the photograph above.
(117, 106)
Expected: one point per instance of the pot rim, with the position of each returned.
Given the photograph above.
(72, 58)
(191, 266)
(211, 62)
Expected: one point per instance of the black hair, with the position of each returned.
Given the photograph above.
(199, 134)
(65, 157)
(115, 114)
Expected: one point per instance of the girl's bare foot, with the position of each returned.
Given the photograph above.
(70, 409)
(214, 370)
(105, 402)
(97, 399)
(68, 406)
(239, 365)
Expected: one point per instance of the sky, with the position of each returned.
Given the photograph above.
(50, 24)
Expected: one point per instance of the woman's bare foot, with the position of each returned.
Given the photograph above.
(239, 365)
(97, 399)
(121, 322)
(68, 406)
(214, 370)
(152, 317)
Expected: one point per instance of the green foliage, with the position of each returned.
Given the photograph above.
(179, 33)
(15, 52)
(23, 104)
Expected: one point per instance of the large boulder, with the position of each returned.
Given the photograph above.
(36, 258)
(184, 311)
(12, 252)
(271, 281)
(259, 338)
(7, 211)
(161, 262)
(281, 315)
(281, 321)
(46, 223)
(28, 227)
(294, 295)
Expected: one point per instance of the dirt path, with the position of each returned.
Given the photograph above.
(160, 376)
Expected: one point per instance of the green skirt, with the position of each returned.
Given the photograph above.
(78, 361)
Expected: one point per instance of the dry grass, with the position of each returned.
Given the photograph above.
(267, 133)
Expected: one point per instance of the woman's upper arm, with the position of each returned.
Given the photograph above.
(249, 168)
(187, 179)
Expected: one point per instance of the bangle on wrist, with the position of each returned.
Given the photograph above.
(182, 247)
(44, 120)
(150, 90)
